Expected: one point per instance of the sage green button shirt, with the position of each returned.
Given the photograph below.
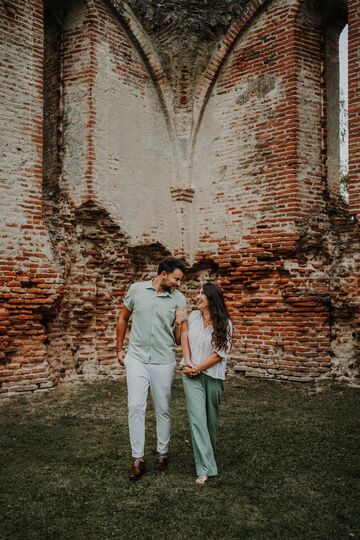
(153, 316)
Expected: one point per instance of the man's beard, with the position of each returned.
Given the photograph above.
(168, 288)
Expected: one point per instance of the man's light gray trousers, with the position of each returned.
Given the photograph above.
(140, 378)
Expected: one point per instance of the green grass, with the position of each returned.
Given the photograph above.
(288, 460)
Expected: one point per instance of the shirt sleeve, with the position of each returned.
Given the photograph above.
(129, 298)
(224, 352)
(182, 302)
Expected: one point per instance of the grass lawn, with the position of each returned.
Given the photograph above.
(288, 458)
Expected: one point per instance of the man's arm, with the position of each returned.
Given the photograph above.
(181, 314)
(185, 344)
(121, 327)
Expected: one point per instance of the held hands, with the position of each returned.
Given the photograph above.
(189, 370)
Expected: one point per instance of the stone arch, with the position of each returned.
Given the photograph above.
(296, 11)
(144, 45)
(256, 81)
(93, 243)
(86, 94)
(218, 59)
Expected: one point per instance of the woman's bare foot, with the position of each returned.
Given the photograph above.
(201, 480)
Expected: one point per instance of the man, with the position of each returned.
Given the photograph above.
(158, 310)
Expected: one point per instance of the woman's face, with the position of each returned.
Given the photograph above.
(203, 302)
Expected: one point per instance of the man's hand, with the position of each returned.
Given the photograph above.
(121, 327)
(121, 357)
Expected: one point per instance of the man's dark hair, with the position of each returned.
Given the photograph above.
(170, 264)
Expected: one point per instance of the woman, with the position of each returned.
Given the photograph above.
(206, 341)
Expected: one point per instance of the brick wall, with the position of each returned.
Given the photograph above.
(112, 130)
(108, 194)
(354, 106)
(29, 277)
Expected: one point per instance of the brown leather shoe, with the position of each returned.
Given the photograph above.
(162, 462)
(138, 469)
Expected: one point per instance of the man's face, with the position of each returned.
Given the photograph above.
(172, 280)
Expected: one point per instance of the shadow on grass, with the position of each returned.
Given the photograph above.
(288, 460)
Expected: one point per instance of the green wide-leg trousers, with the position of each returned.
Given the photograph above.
(203, 395)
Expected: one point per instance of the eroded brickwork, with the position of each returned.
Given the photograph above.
(128, 137)
(29, 276)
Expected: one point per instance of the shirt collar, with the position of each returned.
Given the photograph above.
(149, 285)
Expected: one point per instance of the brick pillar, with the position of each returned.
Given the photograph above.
(354, 107)
(28, 275)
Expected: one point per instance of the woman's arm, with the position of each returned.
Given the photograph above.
(211, 360)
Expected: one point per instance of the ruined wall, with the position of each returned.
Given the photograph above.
(113, 181)
(354, 106)
(206, 132)
(267, 158)
(29, 277)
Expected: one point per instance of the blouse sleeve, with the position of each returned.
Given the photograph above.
(192, 316)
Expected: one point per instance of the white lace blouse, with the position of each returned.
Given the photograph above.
(201, 346)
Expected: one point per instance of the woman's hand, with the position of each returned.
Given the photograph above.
(181, 316)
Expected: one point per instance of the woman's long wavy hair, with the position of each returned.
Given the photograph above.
(219, 315)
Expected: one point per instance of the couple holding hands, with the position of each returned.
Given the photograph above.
(159, 323)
